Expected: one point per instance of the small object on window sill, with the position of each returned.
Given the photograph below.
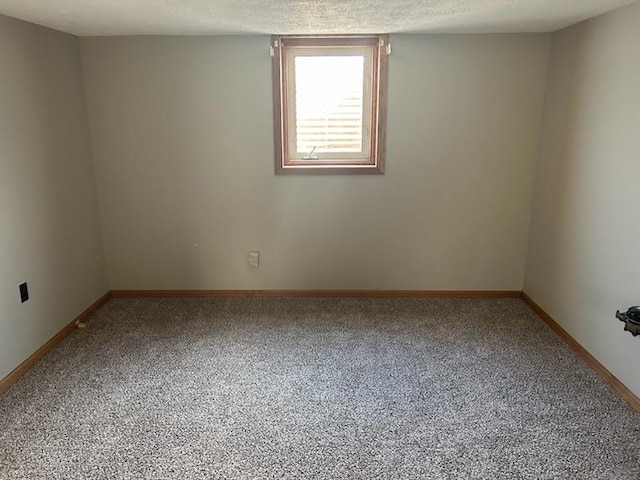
(310, 155)
(631, 319)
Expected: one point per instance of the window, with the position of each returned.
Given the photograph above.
(329, 103)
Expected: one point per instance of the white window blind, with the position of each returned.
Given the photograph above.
(330, 94)
(329, 107)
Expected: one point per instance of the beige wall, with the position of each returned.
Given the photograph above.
(49, 235)
(182, 141)
(584, 255)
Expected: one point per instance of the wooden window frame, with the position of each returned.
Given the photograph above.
(377, 117)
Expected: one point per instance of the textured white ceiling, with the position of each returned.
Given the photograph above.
(184, 17)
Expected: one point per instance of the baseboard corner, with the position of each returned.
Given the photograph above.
(617, 386)
(21, 369)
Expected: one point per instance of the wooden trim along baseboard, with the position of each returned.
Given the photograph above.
(318, 293)
(21, 369)
(600, 369)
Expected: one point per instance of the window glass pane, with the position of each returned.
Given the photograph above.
(329, 104)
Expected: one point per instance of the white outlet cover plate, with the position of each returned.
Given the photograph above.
(254, 259)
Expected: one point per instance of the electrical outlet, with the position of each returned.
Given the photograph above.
(24, 292)
(253, 258)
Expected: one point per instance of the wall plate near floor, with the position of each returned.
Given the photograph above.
(253, 259)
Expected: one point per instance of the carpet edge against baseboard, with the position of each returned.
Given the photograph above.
(605, 374)
(318, 293)
(617, 386)
(21, 369)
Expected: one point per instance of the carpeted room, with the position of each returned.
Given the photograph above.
(138, 171)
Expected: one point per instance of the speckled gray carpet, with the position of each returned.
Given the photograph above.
(317, 389)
